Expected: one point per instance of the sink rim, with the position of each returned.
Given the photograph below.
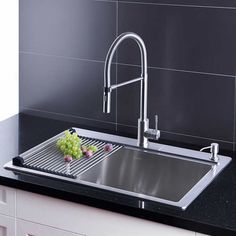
(189, 197)
(175, 152)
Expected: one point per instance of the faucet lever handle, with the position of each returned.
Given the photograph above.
(156, 122)
(153, 133)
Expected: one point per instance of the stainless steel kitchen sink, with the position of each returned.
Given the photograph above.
(166, 174)
(151, 174)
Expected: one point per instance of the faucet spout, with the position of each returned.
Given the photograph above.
(143, 123)
(106, 101)
(107, 72)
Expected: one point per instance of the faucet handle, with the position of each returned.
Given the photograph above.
(156, 122)
(153, 133)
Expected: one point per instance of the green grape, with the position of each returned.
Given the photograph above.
(75, 153)
(70, 145)
(80, 153)
(58, 142)
(67, 132)
(92, 148)
(63, 142)
(73, 142)
(62, 147)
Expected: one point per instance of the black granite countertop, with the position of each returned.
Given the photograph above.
(213, 212)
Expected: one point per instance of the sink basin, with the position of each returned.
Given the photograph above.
(149, 174)
(166, 174)
(170, 179)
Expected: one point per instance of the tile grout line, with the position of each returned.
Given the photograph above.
(65, 115)
(179, 5)
(58, 56)
(112, 123)
(180, 134)
(200, 137)
(127, 64)
(179, 70)
(117, 32)
(168, 4)
(234, 114)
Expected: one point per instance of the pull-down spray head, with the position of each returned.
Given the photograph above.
(106, 101)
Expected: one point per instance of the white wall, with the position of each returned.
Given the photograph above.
(8, 58)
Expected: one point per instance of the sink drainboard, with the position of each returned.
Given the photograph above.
(47, 158)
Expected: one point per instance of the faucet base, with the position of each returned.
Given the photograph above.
(143, 126)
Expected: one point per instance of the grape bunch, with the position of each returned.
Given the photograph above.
(70, 145)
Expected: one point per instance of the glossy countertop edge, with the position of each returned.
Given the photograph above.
(158, 217)
(161, 215)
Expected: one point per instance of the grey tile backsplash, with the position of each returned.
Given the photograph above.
(66, 86)
(186, 38)
(182, 101)
(72, 28)
(191, 57)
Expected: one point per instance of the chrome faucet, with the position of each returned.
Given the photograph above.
(144, 133)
